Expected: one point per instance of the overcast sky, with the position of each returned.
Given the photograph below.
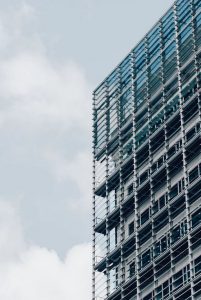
(53, 53)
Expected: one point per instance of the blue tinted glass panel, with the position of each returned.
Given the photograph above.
(100, 96)
(168, 16)
(185, 34)
(198, 21)
(141, 137)
(139, 49)
(100, 129)
(125, 70)
(140, 63)
(154, 51)
(182, 5)
(169, 32)
(113, 81)
(153, 35)
(197, 5)
(154, 67)
(140, 81)
(184, 18)
(169, 50)
(126, 105)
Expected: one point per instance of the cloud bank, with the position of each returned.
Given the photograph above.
(45, 118)
(32, 272)
(45, 167)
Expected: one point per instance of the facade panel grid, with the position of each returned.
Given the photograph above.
(147, 166)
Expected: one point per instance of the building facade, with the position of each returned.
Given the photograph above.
(147, 166)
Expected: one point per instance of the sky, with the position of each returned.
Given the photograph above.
(52, 55)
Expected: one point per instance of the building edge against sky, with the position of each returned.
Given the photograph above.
(147, 166)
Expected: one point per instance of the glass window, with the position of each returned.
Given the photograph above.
(126, 105)
(183, 227)
(164, 290)
(181, 185)
(157, 122)
(196, 218)
(139, 49)
(168, 21)
(174, 191)
(154, 50)
(100, 96)
(113, 119)
(161, 246)
(132, 269)
(113, 238)
(170, 67)
(128, 149)
(169, 15)
(182, 5)
(145, 216)
(125, 69)
(197, 264)
(141, 137)
(179, 231)
(188, 72)
(159, 293)
(141, 80)
(156, 103)
(157, 249)
(198, 21)
(113, 80)
(171, 89)
(114, 281)
(130, 189)
(182, 277)
(190, 134)
(189, 90)
(184, 19)
(149, 297)
(131, 228)
(197, 5)
(100, 208)
(171, 151)
(185, 34)
(178, 279)
(168, 31)
(140, 97)
(155, 207)
(164, 244)
(112, 197)
(162, 201)
(154, 67)
(169, 50)
(143, 177)
(140, 63)
(100, 132)
(100, 170)
(193, 174)
(176, 234)
(160, 161)
(145, 258)
(153, 40)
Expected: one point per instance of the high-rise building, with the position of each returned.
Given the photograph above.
(147, 166)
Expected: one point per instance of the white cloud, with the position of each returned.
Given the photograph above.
(11, 236)
(43, 103)
(38, 273)
(45, 116)
(78, 170)
(38, 91)
(41, 99)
